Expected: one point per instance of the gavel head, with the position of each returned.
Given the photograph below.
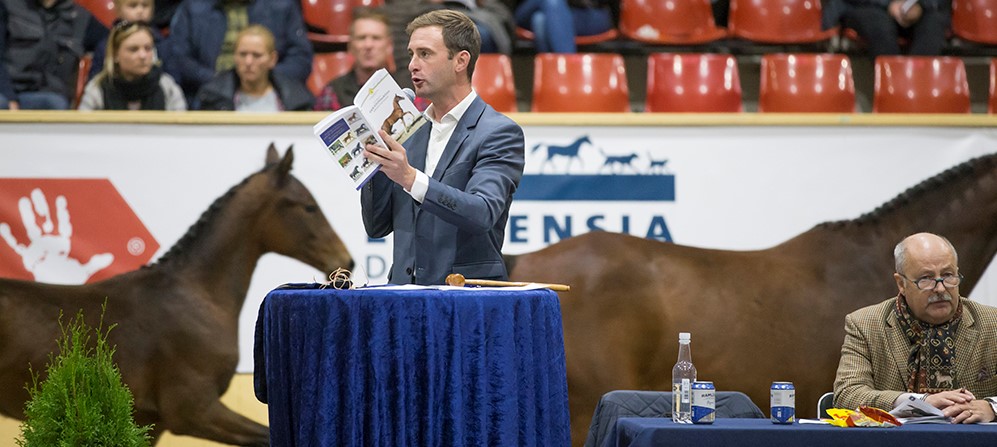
(455, 279)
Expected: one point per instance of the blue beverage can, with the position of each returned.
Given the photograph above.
(704, 403)
(783, 402)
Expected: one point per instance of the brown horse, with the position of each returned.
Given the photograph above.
(755, 316)
(177, 333)
(397, 114)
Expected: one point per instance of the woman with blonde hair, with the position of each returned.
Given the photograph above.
(253, 85)
(131, 78)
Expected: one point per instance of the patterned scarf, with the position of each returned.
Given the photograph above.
(237, 15)
(931, 362)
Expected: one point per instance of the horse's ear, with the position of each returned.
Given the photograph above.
(272, 156)
(284, 169)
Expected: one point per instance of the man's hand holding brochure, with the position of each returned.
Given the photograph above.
(379, 105)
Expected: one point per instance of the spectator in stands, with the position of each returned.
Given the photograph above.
(133, 11)
(881, 23)
(492, 18)
(371, 47)
(203, 36)
(41, 54)
(163, 13)
(555, 23)
(131, 78)
(253, 85)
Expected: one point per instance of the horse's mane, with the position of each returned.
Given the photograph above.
(198, 227)
(915, 192)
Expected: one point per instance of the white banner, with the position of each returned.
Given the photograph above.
(716, 187)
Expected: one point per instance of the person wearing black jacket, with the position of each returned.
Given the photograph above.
(252, 86)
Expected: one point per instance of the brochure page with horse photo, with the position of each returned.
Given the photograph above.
(379, 105)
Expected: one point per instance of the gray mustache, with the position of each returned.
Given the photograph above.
(940, 297)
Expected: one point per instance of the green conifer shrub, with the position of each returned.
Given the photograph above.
(83, 401)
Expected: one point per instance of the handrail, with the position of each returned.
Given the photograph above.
(528, 119)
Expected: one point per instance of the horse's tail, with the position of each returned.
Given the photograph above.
(535, 147)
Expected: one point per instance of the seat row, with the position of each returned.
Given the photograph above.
(663, 22)
(708, 82)
(689, 22)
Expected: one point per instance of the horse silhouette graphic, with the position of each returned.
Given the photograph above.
(618, 162)
(46, 254)
(656, 166)
(570, 152)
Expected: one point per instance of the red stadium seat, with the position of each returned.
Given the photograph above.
(103, 10)
(333, 17)
(669, 22)
(993, 86)
(326, 67)
(920, 84)
(82, 77)
(975, 20)
(693, 83)
(492, 80)
(583, 82)
(806, 83)
(778, 21)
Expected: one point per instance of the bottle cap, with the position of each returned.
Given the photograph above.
(685, 336)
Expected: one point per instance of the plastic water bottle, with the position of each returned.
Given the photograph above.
(683, 375)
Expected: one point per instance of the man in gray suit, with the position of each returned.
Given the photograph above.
(926, 343)
(446, 194)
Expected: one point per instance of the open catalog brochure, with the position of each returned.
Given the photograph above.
(379, 105)
(917, 411)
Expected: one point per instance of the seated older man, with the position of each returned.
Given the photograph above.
(927, 342)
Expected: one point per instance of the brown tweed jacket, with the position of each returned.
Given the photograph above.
(873, 366)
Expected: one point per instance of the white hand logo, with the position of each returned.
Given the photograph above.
(47, 255)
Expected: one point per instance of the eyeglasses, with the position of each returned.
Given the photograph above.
(929, 283)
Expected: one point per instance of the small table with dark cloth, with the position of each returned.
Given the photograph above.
(659, 432)
(407, 366)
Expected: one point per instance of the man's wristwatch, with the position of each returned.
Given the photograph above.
(993, 405)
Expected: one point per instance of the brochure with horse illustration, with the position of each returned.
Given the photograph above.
(379, 105)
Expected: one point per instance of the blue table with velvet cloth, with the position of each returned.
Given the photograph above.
(660, 432)
(389, 366)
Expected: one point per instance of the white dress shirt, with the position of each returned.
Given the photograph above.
(439, 136)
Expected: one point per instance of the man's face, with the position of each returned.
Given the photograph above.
(370, 44)
(433, 72)
(929, 258)
(135, 10)
(253, 61)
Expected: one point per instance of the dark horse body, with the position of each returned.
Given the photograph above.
(755, 316)
(177, 333)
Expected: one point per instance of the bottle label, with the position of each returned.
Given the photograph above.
(685, 391)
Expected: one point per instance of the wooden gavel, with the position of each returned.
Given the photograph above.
(458, 280)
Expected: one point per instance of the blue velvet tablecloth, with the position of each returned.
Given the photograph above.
(412, 367)
(660, 432)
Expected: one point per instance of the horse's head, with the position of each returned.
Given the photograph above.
(292, 222)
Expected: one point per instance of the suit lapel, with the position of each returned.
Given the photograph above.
(899, 345)
(464, 127)
(966, 344)
(417, 146)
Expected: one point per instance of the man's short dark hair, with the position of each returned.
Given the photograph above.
(459, 33)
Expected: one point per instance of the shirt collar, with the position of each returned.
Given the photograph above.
(457, 112)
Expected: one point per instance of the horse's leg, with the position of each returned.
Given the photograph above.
(218, 423)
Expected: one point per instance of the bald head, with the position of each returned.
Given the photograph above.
(920, 245)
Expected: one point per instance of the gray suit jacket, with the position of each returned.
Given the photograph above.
(873, 366)
(460, 226)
